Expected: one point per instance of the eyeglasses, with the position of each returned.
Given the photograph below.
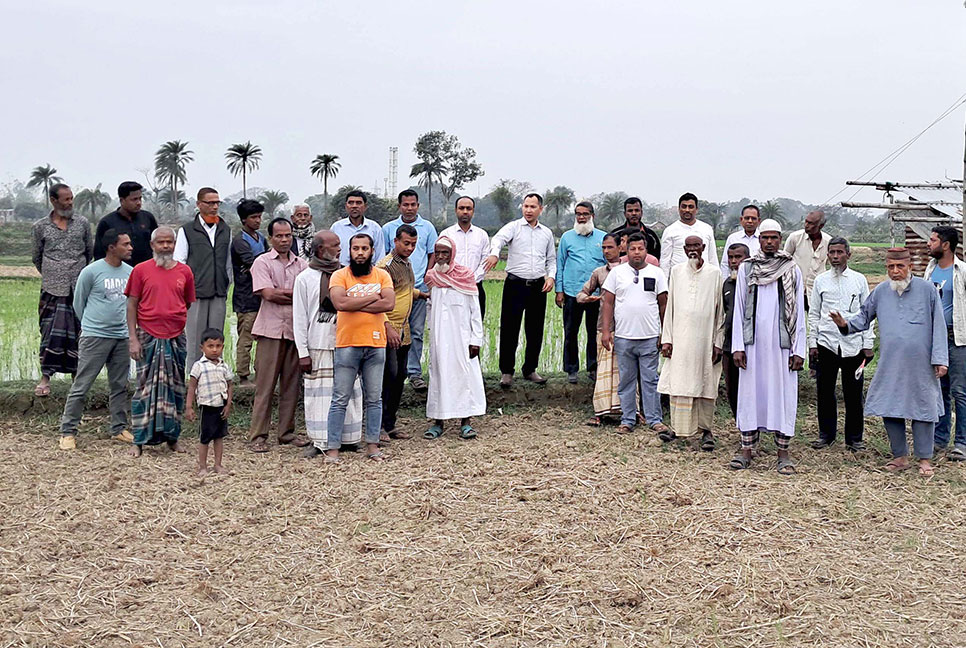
(211, 203)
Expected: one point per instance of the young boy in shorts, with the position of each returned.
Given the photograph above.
(210, 384)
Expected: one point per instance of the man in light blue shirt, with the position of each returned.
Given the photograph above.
(421, 260)
(948, 274)
(578, 255)
(101, 307)
(357, 223)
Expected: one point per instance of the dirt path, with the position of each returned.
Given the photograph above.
(25, 272)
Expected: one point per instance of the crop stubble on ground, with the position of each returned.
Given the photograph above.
(539, 533)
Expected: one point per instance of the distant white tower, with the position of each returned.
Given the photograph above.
(393, 170)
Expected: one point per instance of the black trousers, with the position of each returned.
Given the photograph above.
(572, 314)
(731, 373)
(482, 295)
(829, 364)
(393, 378)
(521, 297)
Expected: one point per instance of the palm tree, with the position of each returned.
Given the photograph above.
(325, 166)
(426, 172)
(272, 200)
(243, 158)
(45, 175)
(611, 209)
(559, 198)
(771, 209)
(169, 166)
(93, 199)
(163, 197)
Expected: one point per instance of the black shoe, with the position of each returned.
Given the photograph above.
(822, 443)
(572, 378)
(311, 452)
(858, 446)
(592, 375)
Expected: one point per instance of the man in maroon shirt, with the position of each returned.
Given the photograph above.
(159, 292)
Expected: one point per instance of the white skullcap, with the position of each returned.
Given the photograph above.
(770, 225)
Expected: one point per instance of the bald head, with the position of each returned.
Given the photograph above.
(694, 249)
(814, 223)
(326, 245)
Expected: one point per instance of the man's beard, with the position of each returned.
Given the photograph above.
(163, 259)
(65, 213)
(900, 285)
(360, 269)
(936, 254)
(838, 270)
(734, 274)
(443, 267)
(329, 257)
(693, 263)
(584, 229)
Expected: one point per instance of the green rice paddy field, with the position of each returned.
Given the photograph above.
(20, 335)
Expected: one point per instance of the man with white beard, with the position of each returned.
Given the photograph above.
(913, 357)
(691, 341)
(578, 255)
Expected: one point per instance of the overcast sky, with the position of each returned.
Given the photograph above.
(726, 99)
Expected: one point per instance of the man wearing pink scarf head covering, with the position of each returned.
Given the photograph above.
(455, 377)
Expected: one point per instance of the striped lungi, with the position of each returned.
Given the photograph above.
(690, 415)
(318, 399)
(158, 401)
(59, 330)
(607, 401)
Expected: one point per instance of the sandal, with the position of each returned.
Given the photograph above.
(376, 456)
(624, 428)
(434, 432)
(593, 421)
(785, 467)
(739, 462)
(42, 390)
(332, 460)
(956, 454)
(895, 466)
(707, 442)
(400, 435)
(926, 471)
(467, 432)
(285, 439)
(666, 434)
(258, 445)
(384, 438)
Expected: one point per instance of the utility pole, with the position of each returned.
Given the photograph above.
(964, 187)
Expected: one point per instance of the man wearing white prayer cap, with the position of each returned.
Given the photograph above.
(768, 346)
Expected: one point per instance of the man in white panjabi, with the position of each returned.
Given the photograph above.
(455, 378)
(314, 319)
(768, 346)
(691, 341)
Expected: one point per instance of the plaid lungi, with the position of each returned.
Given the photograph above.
(607, 401)
(158, 402)
(318, 398)
(690, 414)
(59, 330)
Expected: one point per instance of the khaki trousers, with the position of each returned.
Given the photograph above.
(243, 347)
(276, 362)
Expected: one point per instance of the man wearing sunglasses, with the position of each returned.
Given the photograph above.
(203, 245)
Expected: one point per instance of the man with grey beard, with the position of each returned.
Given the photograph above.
(912, 359)
(159, 293)
(62, 246)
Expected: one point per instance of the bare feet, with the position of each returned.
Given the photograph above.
(135, 451)
(202, 472)
(221, 470)
(332, 456)
(175, 446)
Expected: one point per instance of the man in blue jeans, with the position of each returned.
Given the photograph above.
(948, 275)
(421, 260)
(361, 294)
(635, 295)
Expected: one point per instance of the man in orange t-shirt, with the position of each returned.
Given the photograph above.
(362, 295)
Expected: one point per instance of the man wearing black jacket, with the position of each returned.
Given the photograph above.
(128, 219)
(633, 212)
(247, 245)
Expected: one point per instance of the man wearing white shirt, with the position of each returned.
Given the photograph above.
(204, 245)
(531, 266)
(472, 244)
(843, 290)
(809, 248)
(672, 240)
(357, 223)
(634, 296)
(747, 235)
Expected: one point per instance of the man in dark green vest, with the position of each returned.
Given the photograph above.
(203, 244)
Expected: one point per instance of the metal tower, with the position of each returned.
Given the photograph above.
(393, 170)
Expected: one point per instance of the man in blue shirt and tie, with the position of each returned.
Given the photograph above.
(578, 255)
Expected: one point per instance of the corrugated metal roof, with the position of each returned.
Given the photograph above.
(947, 201)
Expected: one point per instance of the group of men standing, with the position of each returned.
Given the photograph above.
(343, 313)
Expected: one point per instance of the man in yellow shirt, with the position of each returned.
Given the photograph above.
(398, 338)
(362, 295)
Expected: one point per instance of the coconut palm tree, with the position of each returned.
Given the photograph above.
(164, 198)
(426, 172)
(169, 166)
(559, 199)
(93, 199)
(325, 166)
(243, 158)
(772, 209)
(272, 200)
(46, 176)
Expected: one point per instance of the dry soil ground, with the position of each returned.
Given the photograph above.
(541, 532)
